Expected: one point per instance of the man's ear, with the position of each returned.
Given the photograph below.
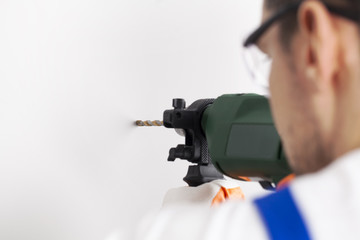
(320, 37)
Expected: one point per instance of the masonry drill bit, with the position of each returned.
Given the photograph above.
(149, 123)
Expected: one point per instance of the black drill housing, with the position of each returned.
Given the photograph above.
(195, 149)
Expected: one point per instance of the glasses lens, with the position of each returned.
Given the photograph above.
(259, 65)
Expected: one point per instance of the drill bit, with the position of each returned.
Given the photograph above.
(149, 123)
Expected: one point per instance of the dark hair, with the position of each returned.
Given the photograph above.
(289, 24)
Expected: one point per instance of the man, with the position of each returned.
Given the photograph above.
(314, 84)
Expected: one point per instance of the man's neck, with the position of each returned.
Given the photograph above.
(346, 134)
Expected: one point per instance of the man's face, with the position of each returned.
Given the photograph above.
(294, 112)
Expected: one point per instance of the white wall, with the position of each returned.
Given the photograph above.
(74, 75)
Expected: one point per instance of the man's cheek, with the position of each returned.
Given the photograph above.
(278, 99)
(275, 96)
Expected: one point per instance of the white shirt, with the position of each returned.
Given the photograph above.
(329, 202)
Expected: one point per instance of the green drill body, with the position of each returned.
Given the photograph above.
(242, 138)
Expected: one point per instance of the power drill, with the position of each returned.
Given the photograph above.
(232, 135)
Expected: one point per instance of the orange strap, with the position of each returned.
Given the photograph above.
(244, 179)
(285, 182)
(226, 194)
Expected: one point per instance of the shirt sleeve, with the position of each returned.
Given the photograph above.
(229, 221)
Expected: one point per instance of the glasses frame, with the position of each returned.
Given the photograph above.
(255, 36)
